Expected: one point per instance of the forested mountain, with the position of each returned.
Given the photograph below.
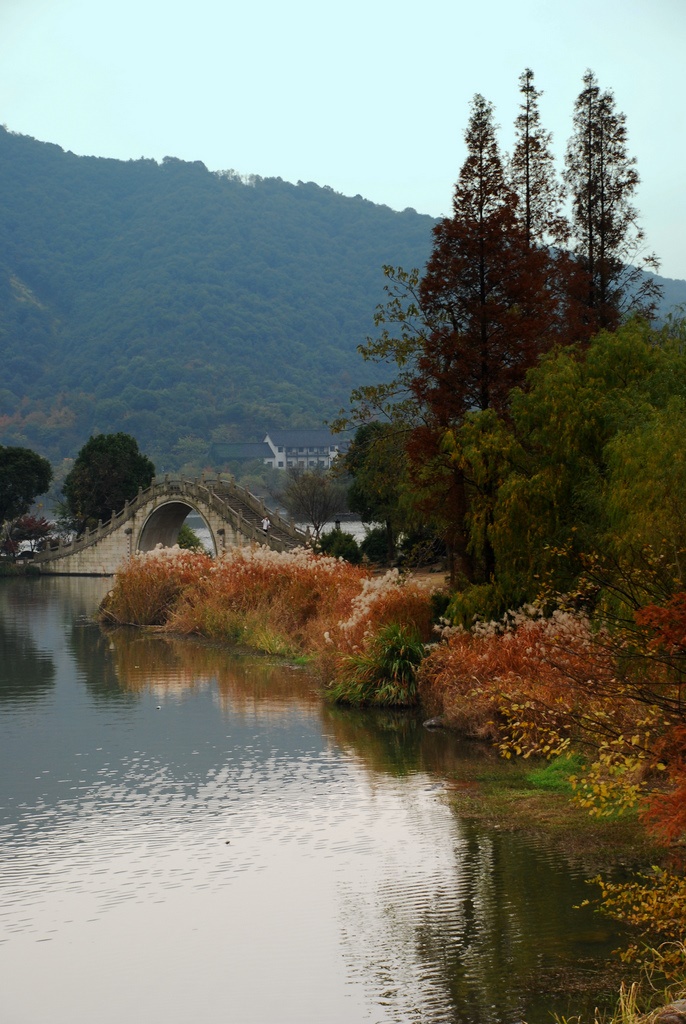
(168, 301)
(183, 306)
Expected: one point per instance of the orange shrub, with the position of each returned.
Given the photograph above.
(526, 684)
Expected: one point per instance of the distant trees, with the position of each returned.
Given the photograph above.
(24, 475)
(377, 463)
(106, 474)
(32, 530)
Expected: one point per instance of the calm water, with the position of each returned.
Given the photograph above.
(185, 837)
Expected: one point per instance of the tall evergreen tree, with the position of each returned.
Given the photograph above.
(608, 243)
(487, 297)
(485, 291)
(532, 172)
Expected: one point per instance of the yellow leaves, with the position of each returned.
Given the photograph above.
(615, 782)
(656, 904)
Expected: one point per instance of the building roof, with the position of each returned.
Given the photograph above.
(318, 438)
(241, 450)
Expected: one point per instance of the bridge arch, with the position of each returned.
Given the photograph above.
(232, 514)
(163, 523)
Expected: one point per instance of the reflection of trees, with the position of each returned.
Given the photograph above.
(484, 920)
(25, 673)
(508, 938)
(26, 594)
(396, 742)
(91, 649)
(173, 667)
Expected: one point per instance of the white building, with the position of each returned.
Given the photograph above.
(308, 449)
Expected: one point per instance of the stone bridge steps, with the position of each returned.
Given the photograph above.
(279, 529)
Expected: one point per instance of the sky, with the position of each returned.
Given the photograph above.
(369, 97)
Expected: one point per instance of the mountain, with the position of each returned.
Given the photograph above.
(183, 306)
(179, 305)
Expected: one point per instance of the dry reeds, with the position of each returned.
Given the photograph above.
(289, 603)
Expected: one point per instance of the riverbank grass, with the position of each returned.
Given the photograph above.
(293, 604)
(384, 673)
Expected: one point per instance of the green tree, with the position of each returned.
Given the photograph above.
(106, 474)
(189, 539)
(593, 461)
(646, 492)
(24, 475)
(377, 462)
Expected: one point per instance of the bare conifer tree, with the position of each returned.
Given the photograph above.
(532, 172)
(607, 241)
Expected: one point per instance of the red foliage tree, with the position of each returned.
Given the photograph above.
(487, 297)
(33, 529)
(485, 289)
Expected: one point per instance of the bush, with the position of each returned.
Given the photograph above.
(188, 539)
(420, 547)
(375, 545)
(339, 544)
(479, 602)
(385, 673)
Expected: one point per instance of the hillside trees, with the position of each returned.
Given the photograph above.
(107, 473)
(124, 285)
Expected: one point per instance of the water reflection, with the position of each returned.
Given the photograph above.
(25, 673)
(202, 825)
(175, 669)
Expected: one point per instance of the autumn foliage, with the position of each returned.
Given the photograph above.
(291, 603)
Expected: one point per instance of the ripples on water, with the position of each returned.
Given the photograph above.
(188, 838)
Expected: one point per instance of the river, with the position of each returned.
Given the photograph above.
(190, 836)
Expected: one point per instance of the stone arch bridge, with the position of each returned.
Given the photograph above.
(233, 516)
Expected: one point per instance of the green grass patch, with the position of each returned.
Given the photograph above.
(554, 776)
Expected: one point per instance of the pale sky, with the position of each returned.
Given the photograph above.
(368, 97)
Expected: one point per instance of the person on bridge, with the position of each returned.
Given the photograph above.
(266, 524)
